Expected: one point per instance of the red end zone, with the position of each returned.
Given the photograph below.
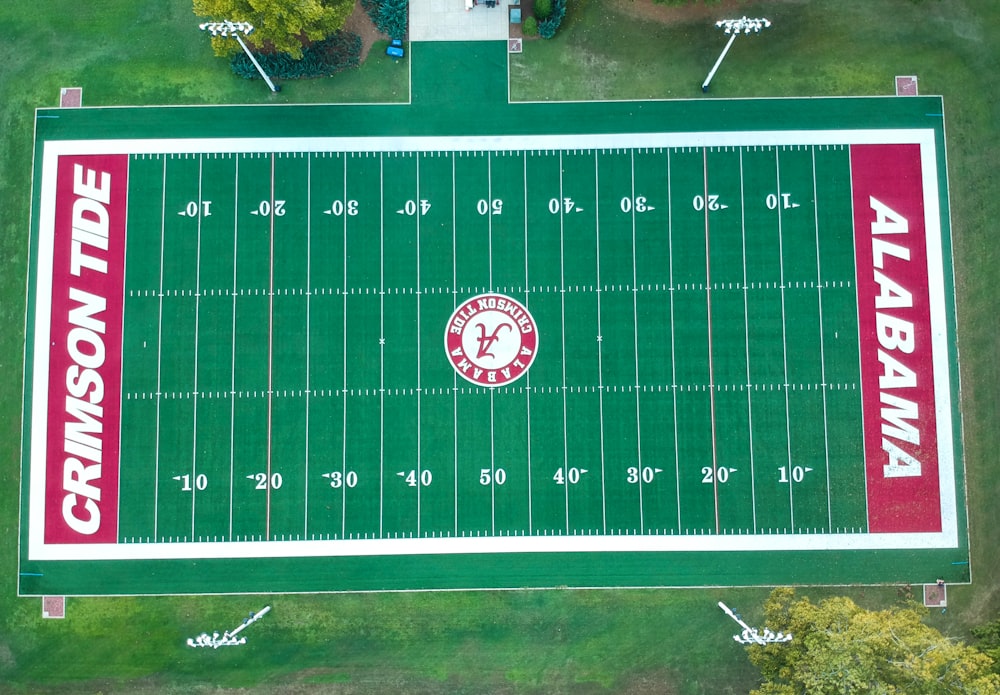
(84, 379)
(897, 360)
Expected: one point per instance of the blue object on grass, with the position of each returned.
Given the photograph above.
(395, 49)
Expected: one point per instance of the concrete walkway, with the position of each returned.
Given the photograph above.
(448, 20)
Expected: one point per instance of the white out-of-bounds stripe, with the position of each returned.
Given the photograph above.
(480, 143)
(497, 545)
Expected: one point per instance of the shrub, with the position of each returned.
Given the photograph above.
(547, 28)
(543, 8)
(335, 53)
(530, 26)
(389, 16)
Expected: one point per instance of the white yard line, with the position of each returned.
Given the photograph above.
(419, 458)
(527, 377)
(784, 345)
(343, 410)
(822, 349)
(454, 295)
(381, 350)
(562, 328)
(159, 356)
(599, 338)
(197, 317)
(305, 504)
(746, 346)
(232, 373)
(270, 358)
(673, 331)
(493, 434)
(635, 345)
(711, 366)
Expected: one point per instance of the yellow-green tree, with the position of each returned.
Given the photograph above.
(279, 25)
(840, 648)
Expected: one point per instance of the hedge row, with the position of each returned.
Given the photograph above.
(547, 27)
(338, 52)
(389, 16)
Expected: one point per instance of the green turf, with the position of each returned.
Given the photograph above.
(223, 372)
(946, 42)
(194, 348)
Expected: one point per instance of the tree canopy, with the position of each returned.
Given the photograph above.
(839, 647)
(279, 25)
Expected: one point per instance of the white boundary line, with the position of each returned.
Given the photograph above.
(481, 143)
(493, 545)
(925, 138)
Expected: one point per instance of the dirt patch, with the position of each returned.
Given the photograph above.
(360, 24)
(650, 11)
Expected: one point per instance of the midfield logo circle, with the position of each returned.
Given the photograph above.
(491, 340)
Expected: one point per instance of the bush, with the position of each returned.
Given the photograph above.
(530, 26)
(333, 54)
(389, 16)
(543, 8)
(547, 28)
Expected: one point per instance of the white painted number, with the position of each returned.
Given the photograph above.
(570, 475)
(192, 208)
(412, 477)
(646, 474)
(498, 476)
(339, 479)
(711, 204)
(410, 207)
(266, 208)
(638, 204)
(798, 474)
(494, 206)
(566, 205)
(720, 475)
(263, 482)
(339, 207)
(200, 482)
(786, 201)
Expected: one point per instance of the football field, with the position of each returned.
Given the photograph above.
(634, 356)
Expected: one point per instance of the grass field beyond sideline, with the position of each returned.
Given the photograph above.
(398, 358)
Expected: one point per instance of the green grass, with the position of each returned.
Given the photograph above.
(129, 52)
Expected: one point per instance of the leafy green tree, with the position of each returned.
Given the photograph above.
(279, 25)
(988, 641)
(841, 648)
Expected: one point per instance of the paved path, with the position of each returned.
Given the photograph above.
(448, 20)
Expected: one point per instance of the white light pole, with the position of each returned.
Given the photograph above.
(751, 635)
(227, 28)
(735, 27)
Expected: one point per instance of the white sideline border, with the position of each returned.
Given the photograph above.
(924, 137)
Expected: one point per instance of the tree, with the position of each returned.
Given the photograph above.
(988, 641)
(839, 647)
(279, 25)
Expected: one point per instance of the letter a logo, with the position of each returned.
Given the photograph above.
(486, 341)
(494, 334)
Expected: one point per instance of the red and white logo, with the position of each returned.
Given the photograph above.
(491, 340)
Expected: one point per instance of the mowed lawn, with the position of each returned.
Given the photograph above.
(140, 52)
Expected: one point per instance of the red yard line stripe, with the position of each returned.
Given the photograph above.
(711, 369)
